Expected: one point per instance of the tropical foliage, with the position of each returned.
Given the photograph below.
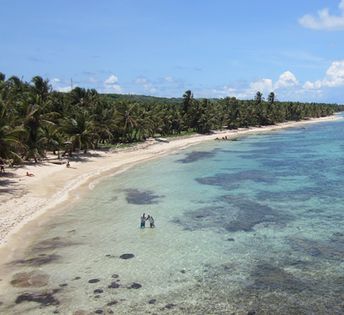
(35, 119)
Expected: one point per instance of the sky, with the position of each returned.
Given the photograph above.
(216, 48)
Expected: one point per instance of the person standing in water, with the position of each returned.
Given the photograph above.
(151, 221)
(143, 221)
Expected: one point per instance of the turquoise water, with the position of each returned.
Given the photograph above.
(254, 225)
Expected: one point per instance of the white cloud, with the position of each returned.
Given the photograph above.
(111, 85)
(335, 74)
(146, 84)
(116, 88)
(324, 20)
(60, 85)
(286, 79)
(262, 85)
(64, 89)
(312, 85)
(285, 83)
(112, 79)
(219, 92)
(334, 77)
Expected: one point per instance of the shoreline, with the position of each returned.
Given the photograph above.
(25, 199)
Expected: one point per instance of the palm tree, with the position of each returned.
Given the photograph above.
(10, 143)
(32, 125)
(128, 116)
(271, 98)
(41, 87)
(80, 131)
(52, 138)
(259, 97)
(187, 99)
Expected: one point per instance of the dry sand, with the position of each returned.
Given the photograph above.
(23, 198)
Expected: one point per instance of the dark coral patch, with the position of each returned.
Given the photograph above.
(230, 181)
(44, 298)
(98, 291)
(135, 285)
(110, 256)
(127, 256)
(269, 277)
(52, 243)
(250, 213)
(37, 261)
(114, 285)
(170, 306)
(198, 155)
(332, 249)
(232, 213)
(141, 197)
(323, 189)
(93, 280)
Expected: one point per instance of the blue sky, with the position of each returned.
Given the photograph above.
(216, 48)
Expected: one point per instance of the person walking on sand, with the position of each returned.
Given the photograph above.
(68, 164)
(143, 221)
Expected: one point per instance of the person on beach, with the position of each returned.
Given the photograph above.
(29, 174)
(151, 221)
(2, 168)
(68, 164)
(143, 221)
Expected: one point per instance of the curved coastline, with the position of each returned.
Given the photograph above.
(53, 185)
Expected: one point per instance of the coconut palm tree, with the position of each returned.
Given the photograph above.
(10, 144)
(41, 87)
(80, 131)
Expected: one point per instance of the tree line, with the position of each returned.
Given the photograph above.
(35, 119)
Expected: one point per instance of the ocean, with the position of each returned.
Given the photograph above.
(252, 226)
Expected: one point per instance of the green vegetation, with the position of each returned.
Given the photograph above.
(35, 119)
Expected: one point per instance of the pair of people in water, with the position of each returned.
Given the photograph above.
(145, 218)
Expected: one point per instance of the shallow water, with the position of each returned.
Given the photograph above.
(254, 225)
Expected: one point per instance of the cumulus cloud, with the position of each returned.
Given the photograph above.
(146, 84)
(60, 85)
(334, 77)
(285, 83)
(324, 20)
(111, 84)
(286, 79)
(262, 85)
(64, 89)
(112, 79)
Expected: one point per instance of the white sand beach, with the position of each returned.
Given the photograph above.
(24, 198)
